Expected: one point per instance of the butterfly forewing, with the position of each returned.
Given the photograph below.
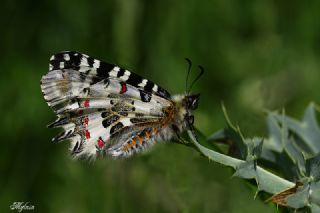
(101, 70)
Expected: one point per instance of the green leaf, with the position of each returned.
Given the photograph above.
(296, 156)
(313, 168)
(246, 170)
(315, 193)
(254, 148)
(234, 134)
(274, 141)
(281, 145)
(315, 208)
(308, 130)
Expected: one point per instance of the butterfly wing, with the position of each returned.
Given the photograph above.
(98, 70)
(99, 105)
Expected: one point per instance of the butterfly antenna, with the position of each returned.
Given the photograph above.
(197, 78)
(189, 69)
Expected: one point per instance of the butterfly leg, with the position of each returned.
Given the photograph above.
(179, 140)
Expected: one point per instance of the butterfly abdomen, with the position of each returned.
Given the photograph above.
(135, 144)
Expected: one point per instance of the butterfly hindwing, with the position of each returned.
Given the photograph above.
(102, 129)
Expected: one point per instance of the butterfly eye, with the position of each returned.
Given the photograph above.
(192, 101)
(194, 104)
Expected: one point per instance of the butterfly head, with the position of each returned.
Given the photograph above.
(191, 103)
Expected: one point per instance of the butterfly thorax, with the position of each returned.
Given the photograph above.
(180, 112)
(175, 120)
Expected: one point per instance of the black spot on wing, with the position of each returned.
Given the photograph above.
(74, 62)
(139, 114)
(148, 87)
(83, 77)
(86, 90)
(121, 72)
(55, 64)
(145, 97)
(123, 113)
(105, 114)
(139, 120)
(163, 93)
(106, 83)
(62, 136)
(104, 69)
(95, 79)
(116, 128)
(75, 147)
(118, 107)
(110, 120)
(59, 122)
(134, 79)
(90, 62)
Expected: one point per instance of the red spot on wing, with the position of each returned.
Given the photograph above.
(123, 88)
(100, 143)
(87, 134)
(80, 112)
(86, 120)
(86, 103)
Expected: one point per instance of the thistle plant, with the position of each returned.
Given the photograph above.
(285, 164)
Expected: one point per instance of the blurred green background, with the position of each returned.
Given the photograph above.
(257, 55)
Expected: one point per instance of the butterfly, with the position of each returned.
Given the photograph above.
(108, 110)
